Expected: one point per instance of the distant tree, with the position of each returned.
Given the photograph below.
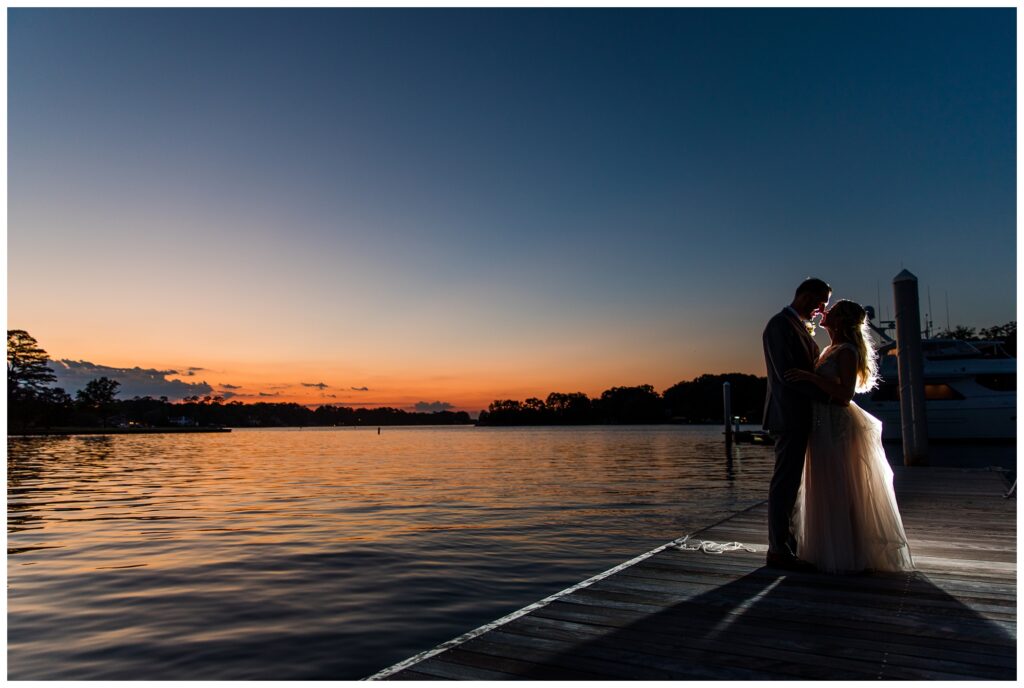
(640, 404)
(572, 408)
(27, 372)
(535, 412)
(1001, 332)
(500, 405)
(28, 396)
(1007, 334)
(98, 395)
(56, 406)
(503, 412)
(700, 400)
(958, 332)
(56, 396)
(534, 404)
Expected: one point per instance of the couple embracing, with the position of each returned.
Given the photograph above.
(831, 505)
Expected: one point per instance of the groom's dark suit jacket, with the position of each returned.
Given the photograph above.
(787, 344)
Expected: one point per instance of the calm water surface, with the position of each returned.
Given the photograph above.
(329, 553)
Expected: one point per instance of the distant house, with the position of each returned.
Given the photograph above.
(182, 421)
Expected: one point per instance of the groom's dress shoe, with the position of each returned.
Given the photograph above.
(789, 562)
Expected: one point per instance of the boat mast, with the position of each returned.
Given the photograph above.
(928, 316)
(948, 327)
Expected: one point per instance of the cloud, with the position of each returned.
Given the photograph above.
(360, 389)
(225, 395)
(432, 406)
(227, 386)
(189, 372)
(319, 385)
(135, 382)
(270, 394)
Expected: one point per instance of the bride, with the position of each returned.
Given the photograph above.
(846, 516)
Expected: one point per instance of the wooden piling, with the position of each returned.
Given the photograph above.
(913, 418)
(727, 401)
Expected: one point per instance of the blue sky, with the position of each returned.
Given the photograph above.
(496, 200)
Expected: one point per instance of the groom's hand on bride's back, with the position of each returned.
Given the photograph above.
(796, 375)
(803, 381)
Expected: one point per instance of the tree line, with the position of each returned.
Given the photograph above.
(694, 401)
(33, 402)
(1007, 334)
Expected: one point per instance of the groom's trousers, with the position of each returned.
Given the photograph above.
(790, 450)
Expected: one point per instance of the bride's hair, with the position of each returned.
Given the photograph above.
(851, 319)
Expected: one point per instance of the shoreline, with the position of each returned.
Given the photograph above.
(36, 432)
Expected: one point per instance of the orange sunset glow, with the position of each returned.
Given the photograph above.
(468, 378)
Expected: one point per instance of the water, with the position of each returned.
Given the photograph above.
(329, 553)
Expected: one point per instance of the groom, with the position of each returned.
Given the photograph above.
(787, 413)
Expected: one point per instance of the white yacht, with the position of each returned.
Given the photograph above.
(970, 391)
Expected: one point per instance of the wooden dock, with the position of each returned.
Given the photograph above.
(680, 614)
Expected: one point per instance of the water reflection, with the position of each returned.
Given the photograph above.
(276, 554)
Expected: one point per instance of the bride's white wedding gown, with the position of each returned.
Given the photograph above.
(846, 515)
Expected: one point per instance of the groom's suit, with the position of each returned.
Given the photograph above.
(788, 417)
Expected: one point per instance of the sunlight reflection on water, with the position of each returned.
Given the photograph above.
(329, 553)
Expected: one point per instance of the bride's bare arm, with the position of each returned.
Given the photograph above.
(841, 390)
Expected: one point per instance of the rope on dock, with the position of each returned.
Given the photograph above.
(908, 577)
(710, 547)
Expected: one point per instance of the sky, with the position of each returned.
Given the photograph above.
(446, 207)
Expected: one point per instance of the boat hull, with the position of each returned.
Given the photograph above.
(992, 420)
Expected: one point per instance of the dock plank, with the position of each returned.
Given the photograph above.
(677, 614)
(754, 630)
(752, 644)
(936, 638)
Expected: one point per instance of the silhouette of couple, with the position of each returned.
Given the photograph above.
(831, 504)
